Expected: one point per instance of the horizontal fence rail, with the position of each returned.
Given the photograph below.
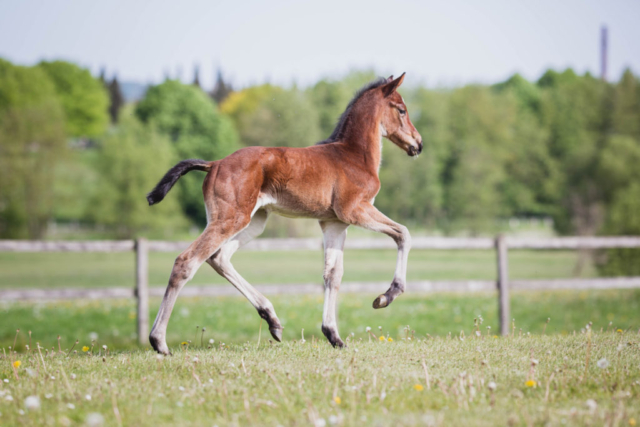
(500, 244)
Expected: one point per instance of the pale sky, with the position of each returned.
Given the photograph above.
(435, 42)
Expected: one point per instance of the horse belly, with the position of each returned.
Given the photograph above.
(295, 207)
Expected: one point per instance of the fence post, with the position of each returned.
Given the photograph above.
(503, 284)
(142, 289)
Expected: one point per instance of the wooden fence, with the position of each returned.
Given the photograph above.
(500, 244)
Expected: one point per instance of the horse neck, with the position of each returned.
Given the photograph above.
(363, 136)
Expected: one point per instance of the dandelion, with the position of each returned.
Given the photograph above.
(85, 348)
(619, 331)
(492, 386)
(17, 364)
(368, 329)
(32, 403)
(390, 339)
(211, 341)
(603, 363)
(382, 338)
(531, 383)
(184, 343)
(632, 421)
(71, 406)
(104, 347)
(337, 400)
(88, 397)
(418, 387)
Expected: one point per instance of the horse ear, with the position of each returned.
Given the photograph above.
(391, 87)
(389, 78)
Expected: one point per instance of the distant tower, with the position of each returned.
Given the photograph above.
(603, 53)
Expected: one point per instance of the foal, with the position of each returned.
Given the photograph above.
(334, 181)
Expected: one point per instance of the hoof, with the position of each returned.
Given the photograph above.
(276, 333)
(333, 337)
(381, 302)
(159, 345)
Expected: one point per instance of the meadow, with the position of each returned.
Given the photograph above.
(403, 379)
(428, 359)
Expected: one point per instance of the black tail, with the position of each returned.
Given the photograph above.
(170, 178)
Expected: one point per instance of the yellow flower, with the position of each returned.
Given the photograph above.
(184, 343)
(85, 348)
(390, 339)
(619, 331)
(531, 383)
(418, 387)
(495, 336)
(337, 400)
(632, 421)
(382, 338)
(17, 364)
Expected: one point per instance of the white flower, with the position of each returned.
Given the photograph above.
(71, 406)
(534, 362)
(333, 419)
(603, 363)
(94, 419)
(320, 422)
(211, 341)
(195, 359)
(73, 376)
(88, 397)
(591, 404)
(52, 377)
(159, 357)
(48, 396)
(6, 380)
(211, 380)
(181, 388)
(104, 347)
(21, 411)
(368, 328)
(32, 403)
(180, 404)
(9, 398)
(93, 336)
(492, 386)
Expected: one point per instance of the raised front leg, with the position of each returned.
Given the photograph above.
(335, 234)
(367, 216)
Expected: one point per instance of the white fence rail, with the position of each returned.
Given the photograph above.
(500, 244)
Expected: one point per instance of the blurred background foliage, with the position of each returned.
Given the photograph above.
(76, 160)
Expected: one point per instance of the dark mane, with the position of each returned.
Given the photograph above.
(338, 132)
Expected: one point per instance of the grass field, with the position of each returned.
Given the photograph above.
(583, 379)
(62, 270)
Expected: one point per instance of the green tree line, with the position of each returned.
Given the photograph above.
(564, 147)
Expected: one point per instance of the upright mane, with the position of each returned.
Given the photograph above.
(338, 132)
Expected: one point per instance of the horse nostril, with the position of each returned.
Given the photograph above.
(419, 147)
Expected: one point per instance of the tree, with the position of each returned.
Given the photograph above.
(82, 96)
(32, 140)
(196, 129)
(273, 117)
(131, 159)
(221, 90)
(116, 99)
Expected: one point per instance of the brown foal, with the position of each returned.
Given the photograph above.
(334, 181)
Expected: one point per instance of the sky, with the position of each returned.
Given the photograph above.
(438, 43)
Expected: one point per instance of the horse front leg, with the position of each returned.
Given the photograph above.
(367, 216)
(334, 234)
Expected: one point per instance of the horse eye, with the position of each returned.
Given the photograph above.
(402, 112)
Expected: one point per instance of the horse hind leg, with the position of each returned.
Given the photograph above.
(221, 263)
(184, 268)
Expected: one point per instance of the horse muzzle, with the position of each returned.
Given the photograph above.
(414, 151)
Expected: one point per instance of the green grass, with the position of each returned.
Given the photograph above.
(310, 383)
(63, 270)
(234, 320)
